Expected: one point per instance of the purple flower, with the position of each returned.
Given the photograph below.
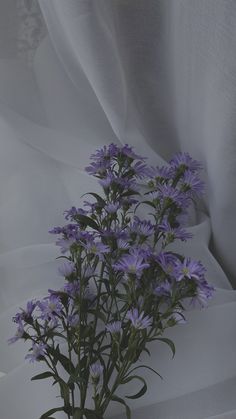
(190, 269)
(191, 182)
(96, 248)
(72, 288)
(107, 181)
(138, 320)
(73, 320)
(112, 208)
(161, 173)
(204, 294)
(26, 314)
(73, 212)
(140, 170)
(18, 335)
(172, 233)
(106, 153)
(167, 262)
(114, 327)
(65, 244)
(173, 194)
(178, 317)
(96, 371)
(38, 351)
(131, 264)
(163, 289)
(185, 161)
(98, 168)
(127, 151)
(50, 306)
(67, 268)
(143, 228)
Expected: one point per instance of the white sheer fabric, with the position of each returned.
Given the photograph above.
(160, 76)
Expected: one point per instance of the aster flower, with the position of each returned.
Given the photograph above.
(73, 212)
(140, 170)
(50, 307)
(139, 321)
(112, 207)
(167, 262)
(127, 151)
(96, 371)
(142, 227)
(114, 327)
(73, 320)
(192, 183)
(203, 295)
(131, 264)
(38, 351)
(106, 181)
(190, 269)
(185, 161)
(164, 289)
(65, 244)
(19, 333)
(178, 317)
(72, 288)
(66, 268)
(96, 247)
(98, 168)
(173, 194)
(161, 173)
(172, 233)
(106, 153)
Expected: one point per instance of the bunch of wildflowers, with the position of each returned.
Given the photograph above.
(123, 285)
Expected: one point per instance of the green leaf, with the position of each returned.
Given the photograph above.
(46, 374)
(119, 400)
(169, 343)
(87, 221)
(145, 366)
(66, 363)
(47, 414)
(140, 392)
(99, 199)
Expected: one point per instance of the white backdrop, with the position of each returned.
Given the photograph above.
(159, 75)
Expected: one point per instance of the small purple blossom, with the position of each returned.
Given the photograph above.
(178, 317)
(139, 321)
(96, 247)
(50, 306)
(142, 227)
(192, 183)
(73, 212)
(190, 269)
(96, 371)
(163, 290)
(114, 327)
(66, 268)
(73, 320)
(184, 160)
(131, 264)
(38, 351)
(172, 233)
(204, 294)
(65, 244)
(167, 262)
(112, 207)
(72, 288)
(127, 151)
(19, 333)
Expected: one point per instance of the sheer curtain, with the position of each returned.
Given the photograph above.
(159, 75)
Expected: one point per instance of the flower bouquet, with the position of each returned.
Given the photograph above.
(123, 285)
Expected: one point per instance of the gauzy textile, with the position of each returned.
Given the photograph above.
(160, 76)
